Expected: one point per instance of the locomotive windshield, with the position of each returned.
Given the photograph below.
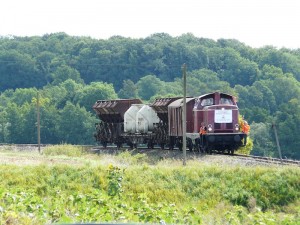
(207, 101)
(226, 101)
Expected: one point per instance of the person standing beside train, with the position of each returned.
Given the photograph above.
(203, 129)
(245, 130)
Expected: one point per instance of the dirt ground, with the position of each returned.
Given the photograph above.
(29, 155)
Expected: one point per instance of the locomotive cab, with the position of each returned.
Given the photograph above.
(218, 113)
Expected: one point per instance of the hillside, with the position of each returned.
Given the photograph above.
(72, 73)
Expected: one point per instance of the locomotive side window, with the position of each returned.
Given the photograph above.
(226, 101)
(207, 101)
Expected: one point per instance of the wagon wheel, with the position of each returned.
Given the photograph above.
(190, 144)
(119, 145)
(104, 144)
(150, 144)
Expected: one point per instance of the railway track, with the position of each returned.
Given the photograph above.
(143, 149)
(269, 160)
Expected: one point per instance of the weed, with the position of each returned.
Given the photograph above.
(64, 149)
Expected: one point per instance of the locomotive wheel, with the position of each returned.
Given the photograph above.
(201, 149)
(209, 151)
(171, 144)
(180, 146)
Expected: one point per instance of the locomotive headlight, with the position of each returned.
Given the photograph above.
(237, 127)
(209, 127)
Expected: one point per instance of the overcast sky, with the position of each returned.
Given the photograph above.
(254, 22)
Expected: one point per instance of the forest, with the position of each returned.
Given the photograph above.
(71, 73)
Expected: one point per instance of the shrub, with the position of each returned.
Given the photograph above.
(64, 149)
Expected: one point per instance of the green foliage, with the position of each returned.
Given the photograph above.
(76, 125)
(264, 142)
(115, 178)
(63, 149)
(195, 194)
(148, 86)
(132, 158)
(81, 70)
(129, 90)
(64, 73)
(246, 150)
(89, 94)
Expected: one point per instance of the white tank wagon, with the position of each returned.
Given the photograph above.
(139, 123)
(146, 119)
(130, 118)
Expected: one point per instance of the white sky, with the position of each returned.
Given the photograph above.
(253, 22)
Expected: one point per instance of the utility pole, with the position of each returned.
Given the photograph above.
(184, 115)
(277, 141)
(38, 121)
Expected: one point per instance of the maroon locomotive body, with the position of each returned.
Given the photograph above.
(217, 114)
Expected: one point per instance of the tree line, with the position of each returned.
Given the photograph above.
(71, 73)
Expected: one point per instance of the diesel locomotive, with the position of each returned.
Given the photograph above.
(212, 123)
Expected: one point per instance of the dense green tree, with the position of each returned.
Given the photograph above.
(288, 122)
(270, 72)
(44, 64)
(129, 90)
(3, 126)
(284, 89)
(64, 73)
(15, 123)
(169, 89)
(149, 86)
(18, 70)
(263, 140)
(95, 91)
(76, 125)
(289, 63)
(204, 81)
(49, 119)
(24, 95)
(29, 124)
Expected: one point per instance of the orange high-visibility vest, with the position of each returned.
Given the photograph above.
(202, 130)
(246, 128)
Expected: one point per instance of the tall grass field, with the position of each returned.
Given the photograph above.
(70, 186)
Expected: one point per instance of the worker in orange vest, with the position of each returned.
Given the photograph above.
(245, 130)
(202, 129)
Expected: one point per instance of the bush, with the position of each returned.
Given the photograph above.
(64, 149)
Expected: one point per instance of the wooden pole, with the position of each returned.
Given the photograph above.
(277, 141)
(38, 122)
(184, 115)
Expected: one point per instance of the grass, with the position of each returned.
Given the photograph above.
(132, 187)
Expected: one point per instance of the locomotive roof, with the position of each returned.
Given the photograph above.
(179, 102)
(213, 93)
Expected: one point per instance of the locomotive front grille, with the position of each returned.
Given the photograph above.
(217, 126)
(229, 126)
(223, 126)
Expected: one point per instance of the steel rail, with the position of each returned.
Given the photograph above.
(269, 159)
